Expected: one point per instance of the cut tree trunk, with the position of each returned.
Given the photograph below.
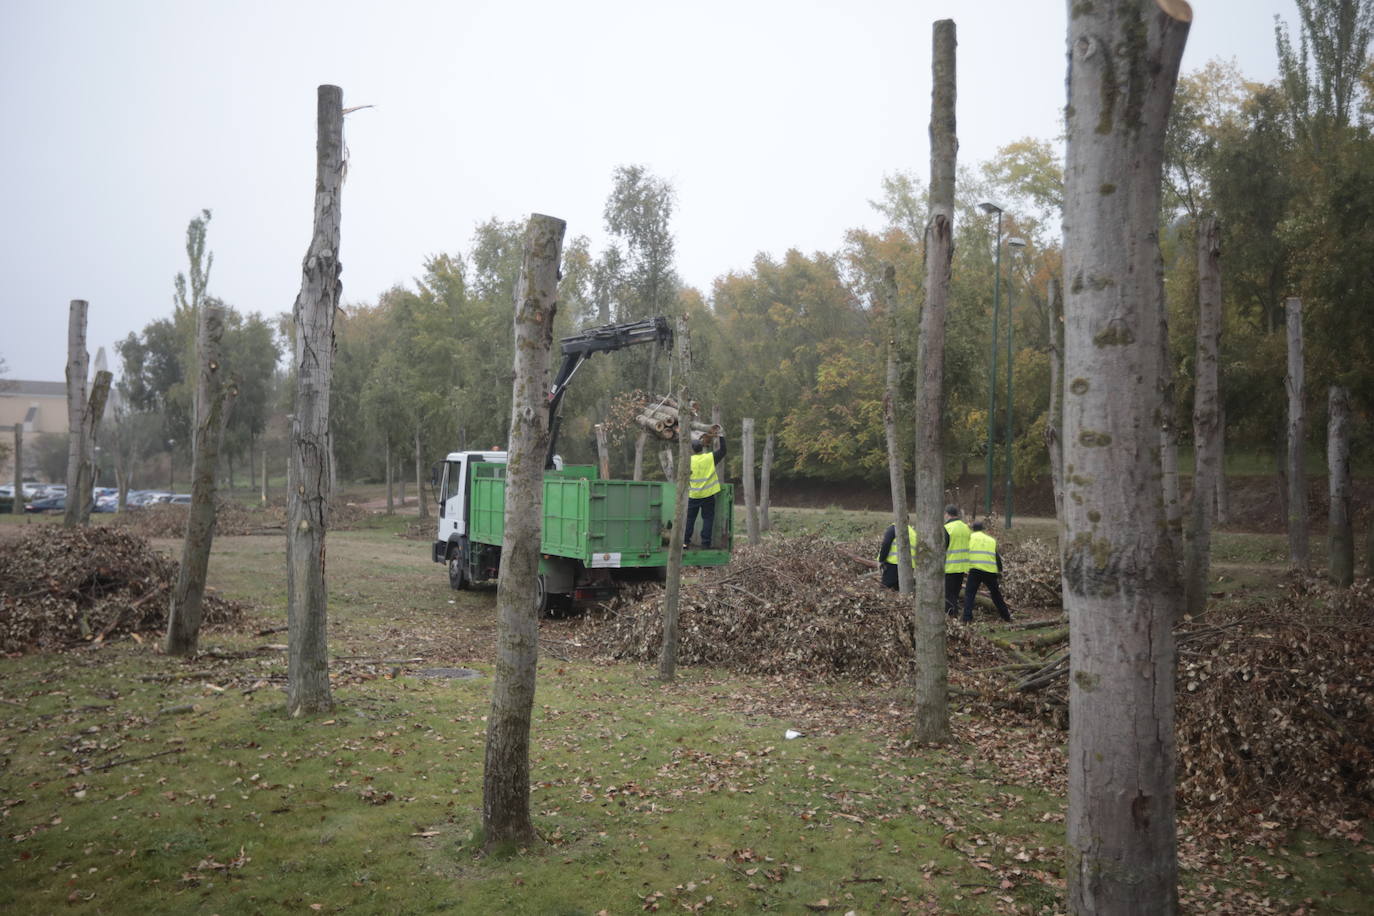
(262, 497)
(672, 587)
(603, 452)
(765, 477)
(17, 506)
(1120, 575)
(213, 398)
(665, 461)
(1223, 492)
(750, 499)
(90, 425)
(931, 664)
(307, 686)
(78, 362)
(1297, 440)
(896, 463)
(1342, 536)
(506, 820)
(1197, 560)
(390, 478)
(639, 455)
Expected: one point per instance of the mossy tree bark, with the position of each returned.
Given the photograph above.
(1120, 574)
(506, 777)
(310, 474)
(931, 664)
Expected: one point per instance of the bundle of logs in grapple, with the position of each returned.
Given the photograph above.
(659, 415)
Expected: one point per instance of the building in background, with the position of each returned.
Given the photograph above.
(41, 407)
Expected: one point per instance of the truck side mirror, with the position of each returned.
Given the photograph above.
(435, 471)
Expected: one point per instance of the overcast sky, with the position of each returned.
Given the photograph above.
(775, 121)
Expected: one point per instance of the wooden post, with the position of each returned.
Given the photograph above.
(1341, 562)
(307, 689)
(90, 425)
(1197, 559)
(506, 777)
(1120, 573)
(750, 499)
(896, 464)
(77, 365)
(765, 477)
(212, 403)
(931, 665)
(672, 588)
(1297, 439)
(18, 507)
(422, 495)
(603, 452)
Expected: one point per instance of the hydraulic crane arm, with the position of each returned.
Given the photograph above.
(580, 347)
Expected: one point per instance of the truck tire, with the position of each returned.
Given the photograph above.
(541, 596)
(458, 568)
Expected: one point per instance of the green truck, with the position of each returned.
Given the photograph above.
(597, 534)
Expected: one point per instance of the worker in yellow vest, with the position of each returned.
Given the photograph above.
(956, 558)
(985, 566)
(888, 553)
(701, 493)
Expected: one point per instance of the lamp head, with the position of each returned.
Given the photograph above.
(989, 207)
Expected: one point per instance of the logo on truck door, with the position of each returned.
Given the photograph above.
(605, 560)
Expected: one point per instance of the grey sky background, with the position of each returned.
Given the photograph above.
(774, 121)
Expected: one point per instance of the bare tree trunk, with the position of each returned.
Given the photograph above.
(420, 494)
(1223, 491)
(672, 588)
(506, 778)
(390, 489)
(212, 408)
(1120, 575)
(765, 477)
(85, 472)
(17, 507)
(309, 490)
(639, 455)
(751, 505)
(1297, 440)
(931, 674)
(1206, 419)
(1054, 414)
(665, 461)
(262, 497)
(896, 465)
(1342, 537)
(78, 361)
(603, 452)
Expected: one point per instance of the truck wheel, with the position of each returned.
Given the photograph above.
(458, 570)
(541, 596)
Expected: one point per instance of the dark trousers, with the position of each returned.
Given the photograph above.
(977, 578)
(707, 507)
(953, 582)
(890, 576)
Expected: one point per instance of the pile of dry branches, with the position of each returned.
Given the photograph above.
(65, 586)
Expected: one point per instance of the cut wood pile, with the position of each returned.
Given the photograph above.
(659, 415)
(61, 587)
(1275, 715)
(231, 519)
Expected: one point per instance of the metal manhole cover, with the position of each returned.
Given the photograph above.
(448, 672)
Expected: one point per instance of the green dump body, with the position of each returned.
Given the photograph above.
(602, 523)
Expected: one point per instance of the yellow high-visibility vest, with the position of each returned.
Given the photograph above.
(704, 480)
(956, 554)
(911, 546)
(982, 552)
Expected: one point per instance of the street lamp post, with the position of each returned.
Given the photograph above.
(990, 208)
(1017, 244)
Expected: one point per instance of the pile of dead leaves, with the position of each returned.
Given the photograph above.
(1030, 577)
(61, 587)
(1276, 710)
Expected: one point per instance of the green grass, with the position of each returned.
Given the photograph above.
(129, 780)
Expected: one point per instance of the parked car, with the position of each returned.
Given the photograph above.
(48, 504)
(180, 499)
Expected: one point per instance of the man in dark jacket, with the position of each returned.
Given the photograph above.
(888, 553)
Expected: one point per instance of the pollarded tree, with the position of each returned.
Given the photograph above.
(1120, 574)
